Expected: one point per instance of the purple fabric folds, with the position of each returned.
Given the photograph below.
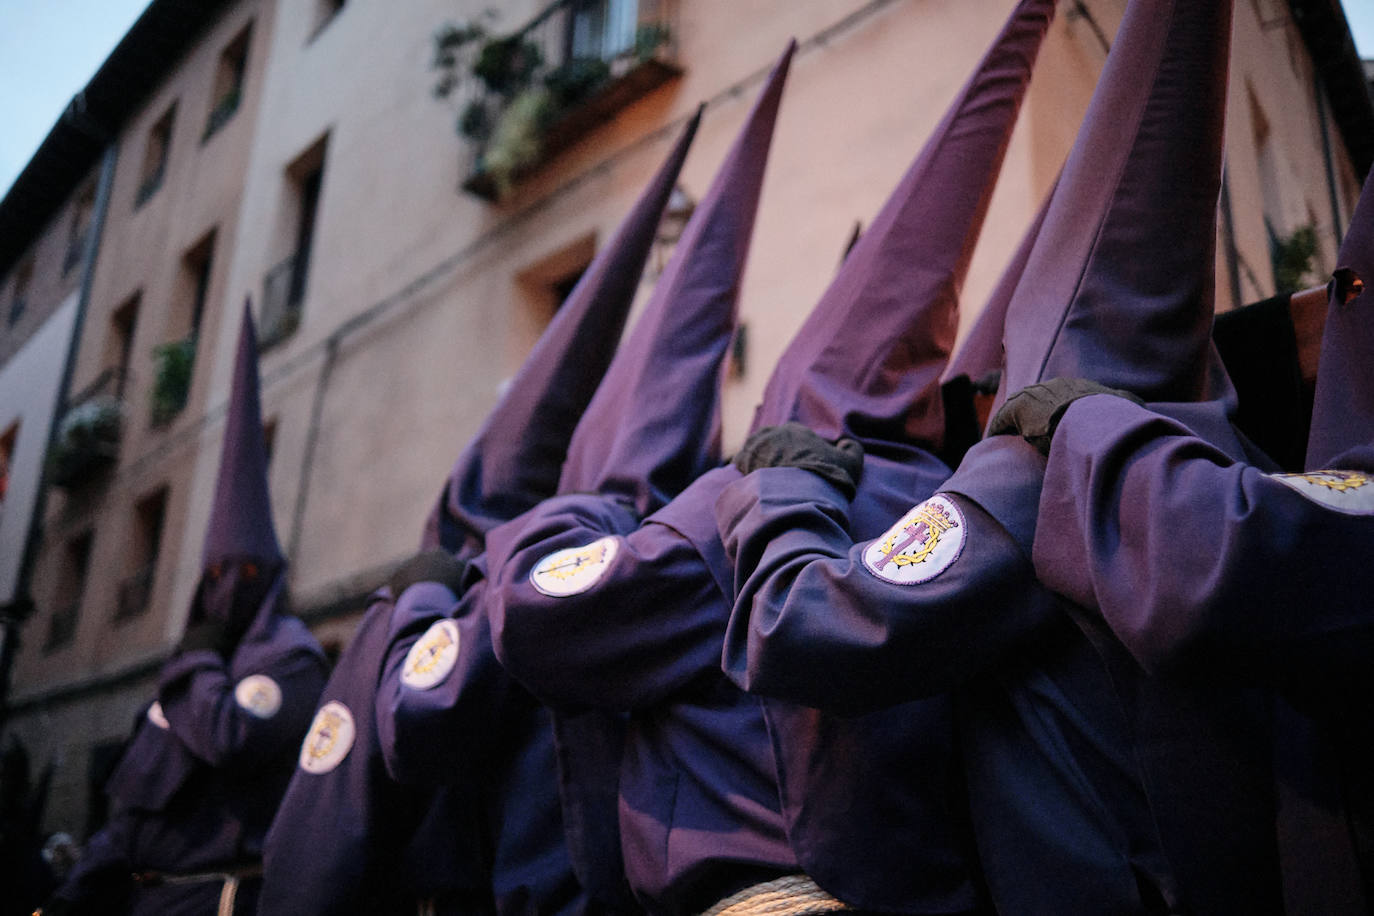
(1119, 286)
(1343, 406)
(867, 363)
(654, 425)
(515, 459)
(241, 515)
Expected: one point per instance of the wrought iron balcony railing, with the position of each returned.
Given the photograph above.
(529, 95)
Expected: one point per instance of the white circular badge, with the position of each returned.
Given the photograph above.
(1351, 492)
(921, 545)
(329, 740)
(575, 569)
(157, 717)
(259, 695)
(432, 657)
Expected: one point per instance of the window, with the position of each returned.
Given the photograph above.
(119, 347)
(19, 300)
(269, 438)
(136, 589)
(70, 589)
(602, 29)
(175, 360)
(194, 290)
(78, 235)
(544, 285)
(228, 89)
(285, 284)
(155, 152)
(325, 11)
(7, 442)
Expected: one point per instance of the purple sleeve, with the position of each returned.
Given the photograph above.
(198, 697)
(812, 625)
(103, 876)
(652, 622)
(435, 732)
(1191, 558)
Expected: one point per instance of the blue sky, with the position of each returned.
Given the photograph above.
(50, 48)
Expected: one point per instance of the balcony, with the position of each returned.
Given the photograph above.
(527, 96)
(135, 592)
(283, 292)
(89, 432)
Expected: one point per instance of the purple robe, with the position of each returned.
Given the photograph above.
(1209, 568)
(352, 838)
(1063, 813)
(760, 788)
(478, 731)
(199, 783)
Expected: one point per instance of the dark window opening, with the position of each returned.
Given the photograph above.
(269, 439)
(155, 152)
(325, 11)
(229, 75)
(284, 287)
(8, 440)
(79, 233)
(19, 301)
(120, 348)
(71, 588)
(136, 589)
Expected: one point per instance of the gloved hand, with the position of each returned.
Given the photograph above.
(793, 445)
(1034, 412)
(435, 565)
(210, 633)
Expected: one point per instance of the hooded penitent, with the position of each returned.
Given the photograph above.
(242, 561)
(515, 459)
(867, 362)
(654, 425)
(1119, 286)
(1343, 406)
(511, 464)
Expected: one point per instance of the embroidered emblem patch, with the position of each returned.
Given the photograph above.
(574, 570)
(329, 740)
(157, 717)
(922, 544)
(433, 657)
(259, 694)
(1351, 492)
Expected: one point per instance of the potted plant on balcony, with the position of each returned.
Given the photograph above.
(87, 439)
(172, 364)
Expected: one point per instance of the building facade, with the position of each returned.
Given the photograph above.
(295, 152)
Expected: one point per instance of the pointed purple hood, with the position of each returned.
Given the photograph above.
(514, 461)
(241, 516)
(1119, 286)
(867, 362)
(654, 425)
(1343, 407)
(981, 352)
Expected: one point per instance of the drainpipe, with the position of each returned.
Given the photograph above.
(1320, 91)
(1228, 221)
(13, 614)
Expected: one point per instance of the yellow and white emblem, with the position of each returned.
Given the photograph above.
(329, 740)
(432, 657)
(576, 569)
(922, 544)
(1351, 492)
(157, 716)
(259, 695)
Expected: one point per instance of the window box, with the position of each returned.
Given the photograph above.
(87, 440)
